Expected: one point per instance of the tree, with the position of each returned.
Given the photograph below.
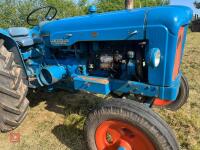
(66, 8)
(111, 5)
(197, 4)
(7, 12)
(14, 12)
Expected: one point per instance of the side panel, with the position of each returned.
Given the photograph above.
(109, 34)
(158, 38)
(171, 54)
(172, 18)
(106, 85)
(172, 50)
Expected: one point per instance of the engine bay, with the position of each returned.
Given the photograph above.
(110, 59)
(123, 60)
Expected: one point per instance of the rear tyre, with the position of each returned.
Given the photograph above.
(180, 100)
(124, 124)
(13, 90)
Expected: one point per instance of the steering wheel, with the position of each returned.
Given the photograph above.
(41, 14)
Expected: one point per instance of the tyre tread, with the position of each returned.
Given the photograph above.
(130, 109)
(14, 108)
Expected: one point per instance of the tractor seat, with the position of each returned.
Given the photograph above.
(21, 36)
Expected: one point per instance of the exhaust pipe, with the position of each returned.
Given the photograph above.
(129, 4)
(51, 74)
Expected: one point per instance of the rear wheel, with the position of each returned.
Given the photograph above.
(13, 90)
(127, 125)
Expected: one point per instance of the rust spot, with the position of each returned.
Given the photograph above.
(94, 34)
(45, 35)
(98, 80)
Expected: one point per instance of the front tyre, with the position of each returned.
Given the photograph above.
(127, 125)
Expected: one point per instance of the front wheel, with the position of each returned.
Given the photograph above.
(127, 125)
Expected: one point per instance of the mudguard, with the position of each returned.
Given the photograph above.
(12, 46)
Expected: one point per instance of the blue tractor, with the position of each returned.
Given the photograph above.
(129, 53)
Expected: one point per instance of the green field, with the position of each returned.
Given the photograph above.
(55, 120)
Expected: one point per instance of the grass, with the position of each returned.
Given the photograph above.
(55, 120)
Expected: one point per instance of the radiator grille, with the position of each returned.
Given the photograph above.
(177, 60)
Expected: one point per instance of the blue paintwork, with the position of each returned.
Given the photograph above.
(172, 17)
(132, 87)
(156, 26)
(166, 25)
(18, 31)
(120, 86)
(107, 26)
(52, 74)
(130, 68)
(4, 32)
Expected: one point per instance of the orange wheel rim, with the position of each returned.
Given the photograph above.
(118, 135)
(161, 102)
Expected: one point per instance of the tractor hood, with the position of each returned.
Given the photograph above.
(117, 25)
(172, 17)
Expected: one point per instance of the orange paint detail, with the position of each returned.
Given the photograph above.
(161, 102)
(99, 80)
(177, 60)
(112, 134)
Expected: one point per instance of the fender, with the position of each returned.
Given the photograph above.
(12, 46)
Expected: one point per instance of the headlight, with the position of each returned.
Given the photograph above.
(155, 57)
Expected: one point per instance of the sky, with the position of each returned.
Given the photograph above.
(186, 3)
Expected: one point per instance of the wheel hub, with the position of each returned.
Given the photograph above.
(121, 148)
(118, 135)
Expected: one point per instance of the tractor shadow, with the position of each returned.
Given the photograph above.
(65, 102)
(75, 107)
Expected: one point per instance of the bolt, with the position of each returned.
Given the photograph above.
(69, 35)
(109, 137)
(135, 89)
(153, 89)
(134, 32)
(128, 85)
(121, 148)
